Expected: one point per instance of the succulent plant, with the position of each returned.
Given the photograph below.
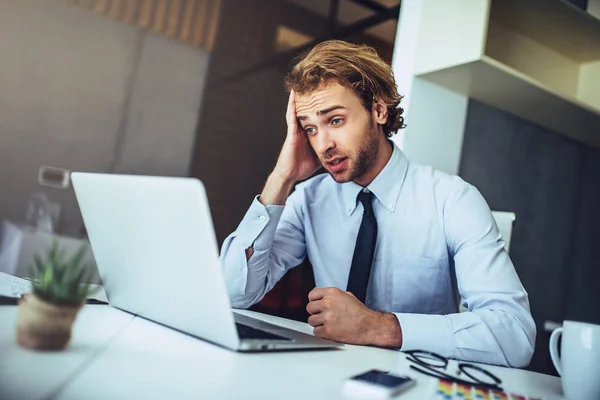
(59, 281)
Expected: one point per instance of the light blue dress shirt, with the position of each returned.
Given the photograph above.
(425, 219)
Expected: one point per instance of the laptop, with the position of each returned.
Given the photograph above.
(156, 251)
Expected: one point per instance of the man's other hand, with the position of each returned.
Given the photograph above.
(339, 316)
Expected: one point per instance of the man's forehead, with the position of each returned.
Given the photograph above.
(321, 98)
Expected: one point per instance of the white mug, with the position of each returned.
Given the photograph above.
(579, 362)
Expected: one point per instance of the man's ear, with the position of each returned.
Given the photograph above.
(380, 111)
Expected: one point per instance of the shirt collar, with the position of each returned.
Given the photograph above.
(386, 186)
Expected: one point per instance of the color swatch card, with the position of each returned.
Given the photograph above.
(446, 390)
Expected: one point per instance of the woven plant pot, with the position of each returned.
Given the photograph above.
(44, 326)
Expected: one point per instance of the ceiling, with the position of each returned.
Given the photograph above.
(350, 12)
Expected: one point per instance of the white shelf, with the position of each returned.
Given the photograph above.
(537, 59)
(502, 87)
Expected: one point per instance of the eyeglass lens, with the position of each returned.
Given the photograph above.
(428, 359)
(477, 374)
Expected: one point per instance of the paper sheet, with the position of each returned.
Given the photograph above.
(13, 286)
(445, 390)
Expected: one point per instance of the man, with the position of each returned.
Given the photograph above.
(380, 232)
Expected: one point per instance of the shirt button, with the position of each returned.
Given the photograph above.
(243, 269)
(262, 218)
(391, 206)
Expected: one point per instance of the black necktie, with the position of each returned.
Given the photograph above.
(364, 250)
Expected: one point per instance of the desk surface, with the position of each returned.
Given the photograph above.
(149, 361)
(137, 359)
(26, 374)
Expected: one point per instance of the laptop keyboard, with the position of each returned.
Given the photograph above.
(247, 332)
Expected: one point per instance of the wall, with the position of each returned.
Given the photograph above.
(435, 116)
(160, 124)
(552, 185)
(84, 92)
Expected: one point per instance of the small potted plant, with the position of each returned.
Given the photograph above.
(59, 290)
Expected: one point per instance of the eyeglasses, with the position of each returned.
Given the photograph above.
(432, 364)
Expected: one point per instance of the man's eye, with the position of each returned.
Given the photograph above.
(309, 131)
(337, 121)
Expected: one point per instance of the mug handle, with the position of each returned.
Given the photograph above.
(554, 349)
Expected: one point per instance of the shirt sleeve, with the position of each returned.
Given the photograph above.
(276, 233)
(498, 327)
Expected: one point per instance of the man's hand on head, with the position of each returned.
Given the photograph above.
(297, 161)
(339, 316)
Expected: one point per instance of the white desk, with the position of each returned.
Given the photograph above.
(26, 374)
(148, 361)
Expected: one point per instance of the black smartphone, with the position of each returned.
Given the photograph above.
(377, 383)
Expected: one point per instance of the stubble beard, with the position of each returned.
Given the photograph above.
(367, 153)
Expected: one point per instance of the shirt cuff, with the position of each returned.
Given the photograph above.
(258, 226)
(426, 332)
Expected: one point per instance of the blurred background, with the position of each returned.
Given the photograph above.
(195, 88)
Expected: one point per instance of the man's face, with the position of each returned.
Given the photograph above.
(340, 130)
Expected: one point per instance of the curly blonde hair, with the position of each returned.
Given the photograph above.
(357, 67)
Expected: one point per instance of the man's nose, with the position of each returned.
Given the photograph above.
(325, 142)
